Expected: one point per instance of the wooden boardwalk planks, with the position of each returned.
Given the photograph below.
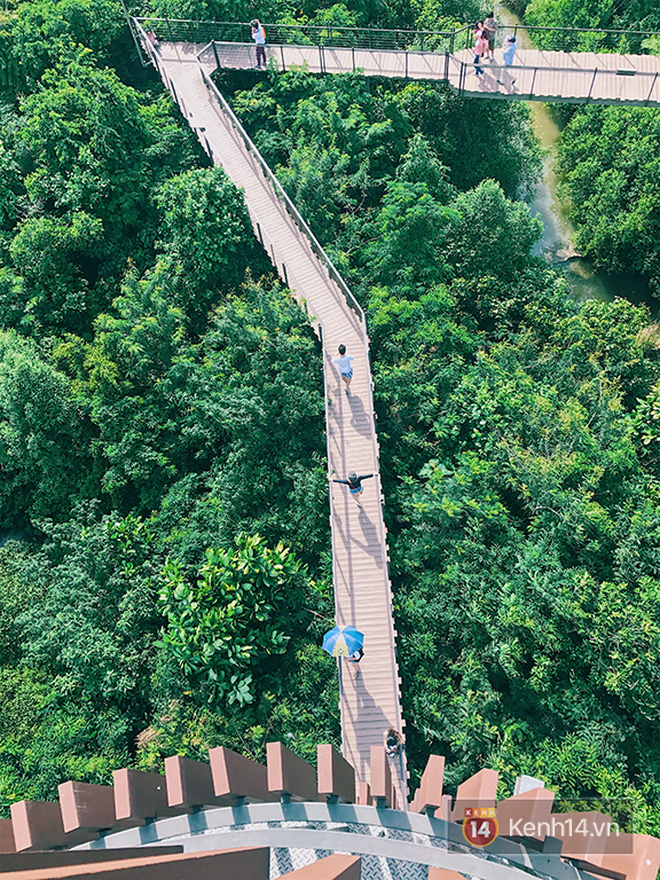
(371, 702)
(578, 77)
(540, 75)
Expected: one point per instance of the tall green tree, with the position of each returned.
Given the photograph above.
(44, 436)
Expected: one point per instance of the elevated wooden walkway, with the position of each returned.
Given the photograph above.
(576, 77)
(371, 702)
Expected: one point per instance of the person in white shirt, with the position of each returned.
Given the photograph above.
(259, 37)
(508, 55)
(345, 366)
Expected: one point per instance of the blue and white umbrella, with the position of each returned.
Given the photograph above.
(342, 641)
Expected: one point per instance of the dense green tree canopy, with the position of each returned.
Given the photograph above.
(162, 457)
(611, 162)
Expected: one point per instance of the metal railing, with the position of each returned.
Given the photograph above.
(281, 193)
(329, 59)
(552, 38)
(316, 247)
(567, 39)
(578, 85)
(183, 30)
(325, 260)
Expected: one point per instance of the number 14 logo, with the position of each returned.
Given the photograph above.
(480, 832)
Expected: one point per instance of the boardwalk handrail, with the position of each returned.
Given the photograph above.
(351, 302)
(281, 192)
(180, 29)
(316, 247)
(238, 134)
(590, 74)
(189, 30)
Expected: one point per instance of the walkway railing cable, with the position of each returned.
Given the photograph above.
(551, 38)
(279, 189)
(314, 243)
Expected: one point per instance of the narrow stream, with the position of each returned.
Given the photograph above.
(556, 243)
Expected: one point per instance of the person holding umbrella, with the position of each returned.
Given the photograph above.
(345, 641)
(355, 658)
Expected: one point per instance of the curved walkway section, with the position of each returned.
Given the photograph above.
(537, 75)
(371, 702)
(391, 844)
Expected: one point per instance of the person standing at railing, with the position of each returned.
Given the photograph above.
(153, 40)
(259, 37)
(480, 46)
(508, 56)
(490, 29)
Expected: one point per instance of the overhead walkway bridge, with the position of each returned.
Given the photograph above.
(615, 70)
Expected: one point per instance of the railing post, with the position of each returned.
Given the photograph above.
(406, 64)
(591, 87)
(353, 57)
(131, 26)
(446, 66)
(282, 56)
(215, 52)
(451, 42)
(531, 88)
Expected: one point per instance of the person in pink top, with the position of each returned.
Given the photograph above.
(480, 46)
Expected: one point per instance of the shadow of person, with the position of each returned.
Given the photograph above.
(507, 79)
(360, 419)
(371, 543)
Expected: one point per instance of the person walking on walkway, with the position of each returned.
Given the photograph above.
(508, 56)
(480, 46)
(259, 37)
(490, 33)
(344, 365)
(354, 484)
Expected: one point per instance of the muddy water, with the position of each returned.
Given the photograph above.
(556, 243)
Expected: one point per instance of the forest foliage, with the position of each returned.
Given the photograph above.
(162, 453)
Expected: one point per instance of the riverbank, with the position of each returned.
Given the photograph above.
(556, 245)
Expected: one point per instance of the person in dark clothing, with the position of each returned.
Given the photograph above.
(354, 484)
(354, 660)
(393, 741)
